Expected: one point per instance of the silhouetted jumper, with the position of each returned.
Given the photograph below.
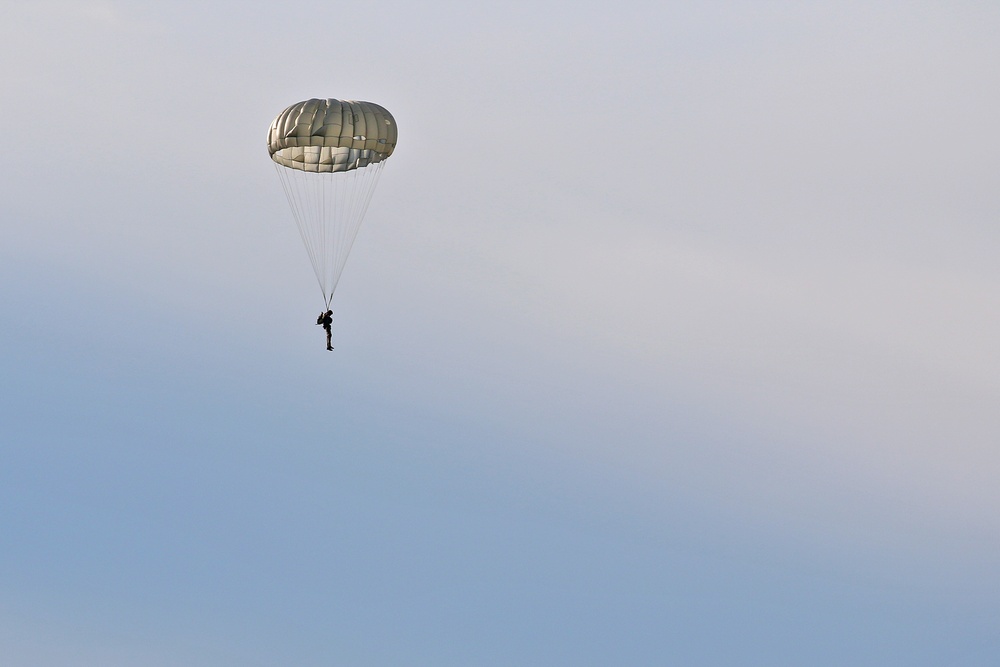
(326, 320)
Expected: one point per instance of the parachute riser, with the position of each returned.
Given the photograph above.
(328, 210)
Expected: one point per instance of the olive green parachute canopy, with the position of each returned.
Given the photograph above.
(329, 155)
(328, 136)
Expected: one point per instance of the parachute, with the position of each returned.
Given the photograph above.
(329, 155)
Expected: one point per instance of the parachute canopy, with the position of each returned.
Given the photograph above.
(329, 155)
(327, 136)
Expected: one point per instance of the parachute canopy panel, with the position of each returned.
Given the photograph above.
(329, 136)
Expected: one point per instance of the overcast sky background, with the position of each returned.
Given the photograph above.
(671, 337)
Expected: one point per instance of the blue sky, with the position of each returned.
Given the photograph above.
(670, 338)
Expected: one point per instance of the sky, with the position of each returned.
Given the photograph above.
(670, 337)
